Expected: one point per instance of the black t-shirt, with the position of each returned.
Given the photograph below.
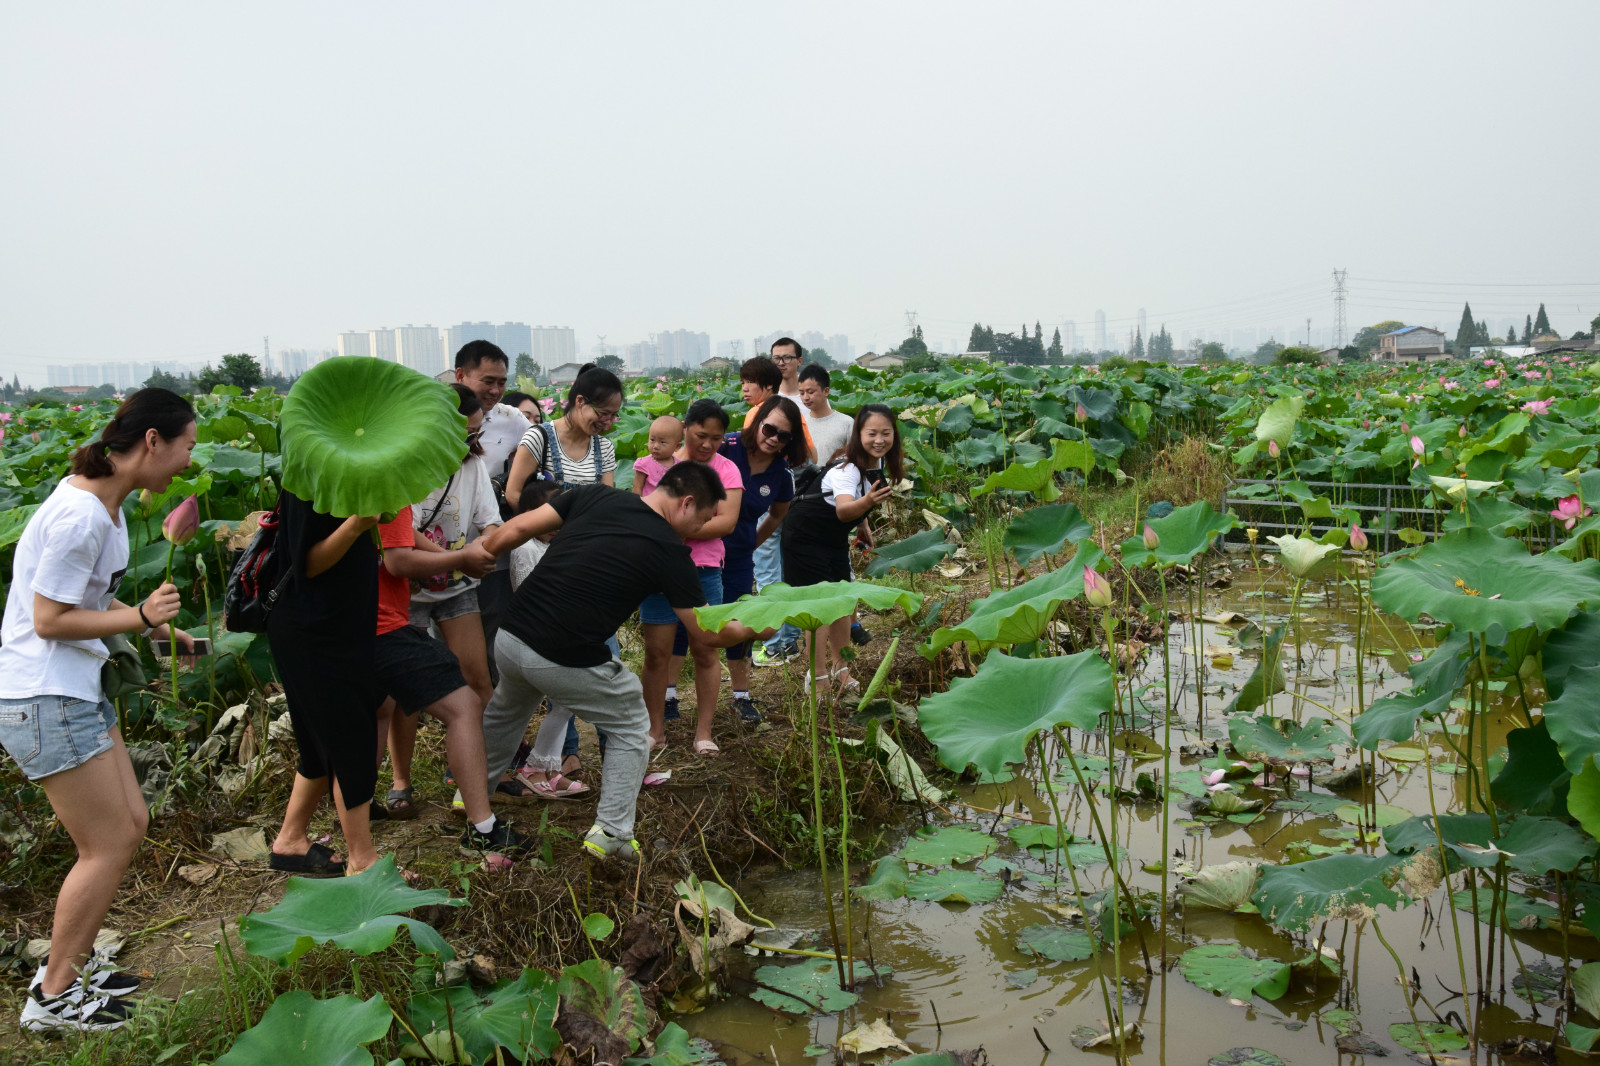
(612, 552)
(343, 598)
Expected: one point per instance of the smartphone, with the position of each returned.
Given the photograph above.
(876, 477)
(163, 648)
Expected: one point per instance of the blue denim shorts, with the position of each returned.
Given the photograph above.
(656, 611)
(49, 734)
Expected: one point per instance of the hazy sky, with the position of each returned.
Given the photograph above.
(181, 179)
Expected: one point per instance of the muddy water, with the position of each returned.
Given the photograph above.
(960, 981)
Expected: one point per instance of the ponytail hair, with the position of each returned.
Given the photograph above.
(594, 384)
(159, 409)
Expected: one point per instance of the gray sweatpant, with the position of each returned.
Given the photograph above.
(609, 697)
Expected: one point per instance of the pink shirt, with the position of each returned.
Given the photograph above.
(652, 469)
(710, 552)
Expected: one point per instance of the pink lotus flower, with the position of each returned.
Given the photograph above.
(1082, 413)
(1461, 431)
(1537, 407)
(76, 407)
(1569, 509)
(1273, 449)
(1492, 383)
(1488, 362)
(1404, 428)
(1221, 786)
(1151, 540)
(1450, 386)
(1301, 771)
(1533, 375)
(1263, 780)
(1358, 537)
(1096, 589)
(1214, 777)
(184, 522)
(5, 416)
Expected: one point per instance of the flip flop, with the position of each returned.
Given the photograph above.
(399, 804)
(551, 790)
(377, 812)
(706, 747)
(318, 861)
(517, 790)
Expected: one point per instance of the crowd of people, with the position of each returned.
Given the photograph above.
(500, 593)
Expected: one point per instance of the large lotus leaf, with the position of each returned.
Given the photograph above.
(1486, 584)
(1184, 534)
(1465, 836)
(918, 552)
(1520, 911)
(300, 1030)
(13, 522)
(946, 844)
(1039, 475)
(1280, 740)
(888, 881)
(1428, 1038)
(1571, 719)
(808, 607)
(1491, 513)
(979, 451)
(1336, 886)
(956, 420)
(988, 720)
(953, 886)
(1586, 988)
(1018, 615)
(1570, 647)
(1267, 679)
(675, 1047)
(1227, 969)
(1304, 557)
(1534, 779)
(1058, 943)
(362, 914)
(1583, 797)
(368, 437)
(809, 987)
(1529, 844)
(1224, 887)
(516, 1015)
(1045, 531)
(606, 995)
(1395, 717)
(1277, 421)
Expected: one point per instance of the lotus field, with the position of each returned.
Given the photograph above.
(1234, 713)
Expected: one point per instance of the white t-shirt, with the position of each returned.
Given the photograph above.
(467, 510)
(830, 432)
(71, 552)
(845, 479)
(524, 557)
(573, 471)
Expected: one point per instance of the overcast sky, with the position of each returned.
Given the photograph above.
(181, 180)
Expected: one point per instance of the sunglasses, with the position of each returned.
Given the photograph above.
(783, 436)
(474, 436)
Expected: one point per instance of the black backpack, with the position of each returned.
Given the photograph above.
(257, 579)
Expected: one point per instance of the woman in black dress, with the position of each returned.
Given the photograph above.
(322, 632)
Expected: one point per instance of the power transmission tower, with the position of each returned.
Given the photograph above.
(266, 354)
(911, 323)
(1339, 295)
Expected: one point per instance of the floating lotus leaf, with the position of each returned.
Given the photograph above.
(1225, 887)
(988, 720)
(1337, 886)
(888, 881)
(1245, 1056)
(953, 886)
(809, 607)
(1225, 968)
(300, 1030)
(1280, 740)
(946, 844)
(1304, 557)
(1267, 679)
(1019, 615)
(1383, 815)
(601, 991)
(1486, 584)
(1534, 779)
(1045, 531)
(1058, 943)
(918, 552)
(1520, 911)
(810, 987)
(1038, 836)
(675, 1047)
(517, 1015)
(1427, 1038)
(368, 437)
(362, 914)
(1278, 420)
(1184, 533)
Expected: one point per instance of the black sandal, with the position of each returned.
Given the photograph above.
(399, 805)
(318, 861)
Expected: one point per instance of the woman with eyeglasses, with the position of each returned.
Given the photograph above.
(770, 447)
(573, 450)
(450, 517)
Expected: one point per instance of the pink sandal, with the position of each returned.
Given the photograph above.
(558, 787)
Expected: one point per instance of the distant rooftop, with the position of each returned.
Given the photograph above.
(1410, 329)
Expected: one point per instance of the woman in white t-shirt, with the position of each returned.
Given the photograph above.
(54, 718)
(816, 532)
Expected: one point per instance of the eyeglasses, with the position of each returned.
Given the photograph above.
(786, 359)
(474, 436)
(769, 430)
(607, 417)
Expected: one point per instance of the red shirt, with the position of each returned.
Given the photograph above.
(394, 593)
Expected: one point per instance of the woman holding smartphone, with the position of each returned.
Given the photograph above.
(816, 533)
(54, 718)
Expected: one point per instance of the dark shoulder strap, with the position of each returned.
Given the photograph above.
(426, 522)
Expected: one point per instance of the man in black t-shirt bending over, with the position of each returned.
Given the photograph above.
(613, 550)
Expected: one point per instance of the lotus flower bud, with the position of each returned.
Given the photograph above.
(1151, 540)
(1273, 449)
(1404, 428)
(1251, 533)
(1366, 423)
(1462, 432)
(1358, 537)
(184, 521)
(1214, 777)
(1096, 589)
(1082, 413)
(146, 503)
(1417, 446)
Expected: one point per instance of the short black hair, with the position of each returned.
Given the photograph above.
(595, 384)
(705, 409)
(515, 398)
(762, 371)
(810, 372)
(537, 492)
(474, 352)
(788, 342)
(697, 480)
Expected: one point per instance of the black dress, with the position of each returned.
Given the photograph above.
(322, 633)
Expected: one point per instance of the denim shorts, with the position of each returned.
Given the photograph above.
(425, 611)
(49, 734)
(656, 611)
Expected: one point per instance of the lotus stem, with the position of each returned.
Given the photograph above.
(844, 838)
(1449, 897)
(1166, 766)
(816, 809)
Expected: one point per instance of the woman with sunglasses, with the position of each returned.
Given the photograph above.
(573, 450)
(770, 447)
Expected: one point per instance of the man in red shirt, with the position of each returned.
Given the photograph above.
(422, 675)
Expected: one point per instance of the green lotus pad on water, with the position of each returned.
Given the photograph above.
(953, 886)
(369, 437)
(945, 845)
(810, 987)
(1280, 740)
(300, 1030)
(1058, 943)
(809, 607)
(1427, 1038)
(1225, 968)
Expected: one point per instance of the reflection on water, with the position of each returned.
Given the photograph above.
(960, 981)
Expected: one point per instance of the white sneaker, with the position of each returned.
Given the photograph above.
(76, 1008)
(103, 975)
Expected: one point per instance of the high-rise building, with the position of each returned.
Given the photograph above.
(1069, 336)
(642, 355)
(420, 348)
(292, 362)
(763, 345)
(460, 334)
(682, 348)
(381, 344)
(553, 345)
(812, 339)
(839, 349)
(1099, 331)
(514, 338)
(355, 343)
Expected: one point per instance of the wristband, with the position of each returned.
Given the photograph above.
(147, 623)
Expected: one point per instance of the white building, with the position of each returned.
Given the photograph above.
(681, 348)
(420, 348)
(355, 343)
(552, 345)
(381, 344)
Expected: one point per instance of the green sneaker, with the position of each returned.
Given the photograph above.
(602, 845)
(764, 657)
